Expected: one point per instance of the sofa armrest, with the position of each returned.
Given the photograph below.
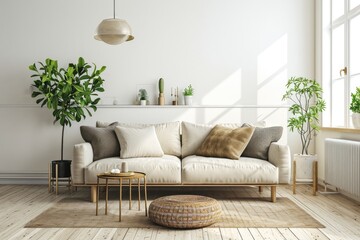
(279, 155)
(82, 157)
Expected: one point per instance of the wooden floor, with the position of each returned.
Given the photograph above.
(21, 203)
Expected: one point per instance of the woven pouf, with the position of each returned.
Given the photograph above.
(185, 211)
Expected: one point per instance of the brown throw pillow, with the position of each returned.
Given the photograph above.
(260, 141)
(103, 141)
(225, 142)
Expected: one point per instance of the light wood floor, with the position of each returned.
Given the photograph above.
(21, 203)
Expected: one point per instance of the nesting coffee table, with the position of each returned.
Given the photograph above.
(129, 176)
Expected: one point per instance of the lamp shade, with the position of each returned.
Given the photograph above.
(113, 31)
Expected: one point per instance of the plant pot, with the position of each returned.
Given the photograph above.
(188, 100)
(304, 165)
(161, 99)
(356, 120)
(142, 102)
(64, 168)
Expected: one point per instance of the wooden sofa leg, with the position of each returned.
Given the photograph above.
(93, 194)
(260, 189)
(273, 193)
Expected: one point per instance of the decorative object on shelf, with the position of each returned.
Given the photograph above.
(188, 95)
(143, 96)
(115, 170)
(305, 94)
(175, 96)
(355, 108)
(69, 93)
(113, 31)
(161, 99)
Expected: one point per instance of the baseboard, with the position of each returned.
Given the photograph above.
(24, 178)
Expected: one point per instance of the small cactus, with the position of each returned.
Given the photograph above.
(161, 85)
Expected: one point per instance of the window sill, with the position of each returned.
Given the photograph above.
(338, 129)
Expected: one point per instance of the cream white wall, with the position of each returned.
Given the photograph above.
(233, 52)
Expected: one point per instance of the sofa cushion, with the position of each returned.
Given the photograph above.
(225, 142)
(260, 141)
(167, 133)
(103, 141)
(207, 170)
(166, 169)
(194, 134)
(138, 142)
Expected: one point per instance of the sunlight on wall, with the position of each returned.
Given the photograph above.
(228, 92)
(272, 72)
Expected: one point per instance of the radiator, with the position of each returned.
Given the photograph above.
(342, 165)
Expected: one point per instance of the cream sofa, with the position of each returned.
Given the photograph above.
(180, 167)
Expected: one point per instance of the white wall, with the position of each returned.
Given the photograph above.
(233, 52)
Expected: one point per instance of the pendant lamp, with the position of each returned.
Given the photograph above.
(113, 31)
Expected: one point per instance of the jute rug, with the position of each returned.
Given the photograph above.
(239, 213)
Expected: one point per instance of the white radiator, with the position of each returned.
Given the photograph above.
(342, 165)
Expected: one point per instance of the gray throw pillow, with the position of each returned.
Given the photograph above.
(103, 141)
(260, 141)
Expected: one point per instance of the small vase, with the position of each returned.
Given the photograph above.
(142, 102)
(188, 100)
(124, 167)
(356, 120)
(161, 99)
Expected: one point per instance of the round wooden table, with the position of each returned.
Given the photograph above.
(120, 177)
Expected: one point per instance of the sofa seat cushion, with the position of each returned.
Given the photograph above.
(208, 170)
(166, 169)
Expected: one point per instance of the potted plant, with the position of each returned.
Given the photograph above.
(188, 94)
(355, 108)
(307, 104)
(143, 96)
(161, 99)
(69, 92)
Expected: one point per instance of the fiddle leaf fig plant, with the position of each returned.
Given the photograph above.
(305, 94)
(69, 92)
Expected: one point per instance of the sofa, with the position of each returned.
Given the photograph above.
(263, 161)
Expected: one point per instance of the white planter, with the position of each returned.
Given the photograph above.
(356, 120)
(142, 102)
(188, 100)
(304, 167)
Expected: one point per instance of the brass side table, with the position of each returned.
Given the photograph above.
(120, 177)
(314, 177)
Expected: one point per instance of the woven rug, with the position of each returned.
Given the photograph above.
(239, 213)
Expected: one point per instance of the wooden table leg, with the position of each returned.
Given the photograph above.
(294, 177)
(97, 196)
(129, 194)
(260, 189)
(49, 177)
(138, 194)
(120, 199)
(56, 178)
(315, 182)
(106, 196)
(145, 195)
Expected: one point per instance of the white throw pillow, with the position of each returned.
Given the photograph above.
(194, 134)
(167, 133)
(138, 142)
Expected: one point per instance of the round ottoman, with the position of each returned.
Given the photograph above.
(185, 211)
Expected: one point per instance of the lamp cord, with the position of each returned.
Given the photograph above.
(114, 9)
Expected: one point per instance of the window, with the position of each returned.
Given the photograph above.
(340, 58)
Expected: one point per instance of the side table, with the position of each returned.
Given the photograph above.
(314, 177)
(120, 177)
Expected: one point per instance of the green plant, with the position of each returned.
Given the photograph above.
(188, 91)
(143, 94)
(355, 101)
(161, 85)
(68, 92)
(305, 94)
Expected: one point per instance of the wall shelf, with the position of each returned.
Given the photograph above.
(155, 106)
